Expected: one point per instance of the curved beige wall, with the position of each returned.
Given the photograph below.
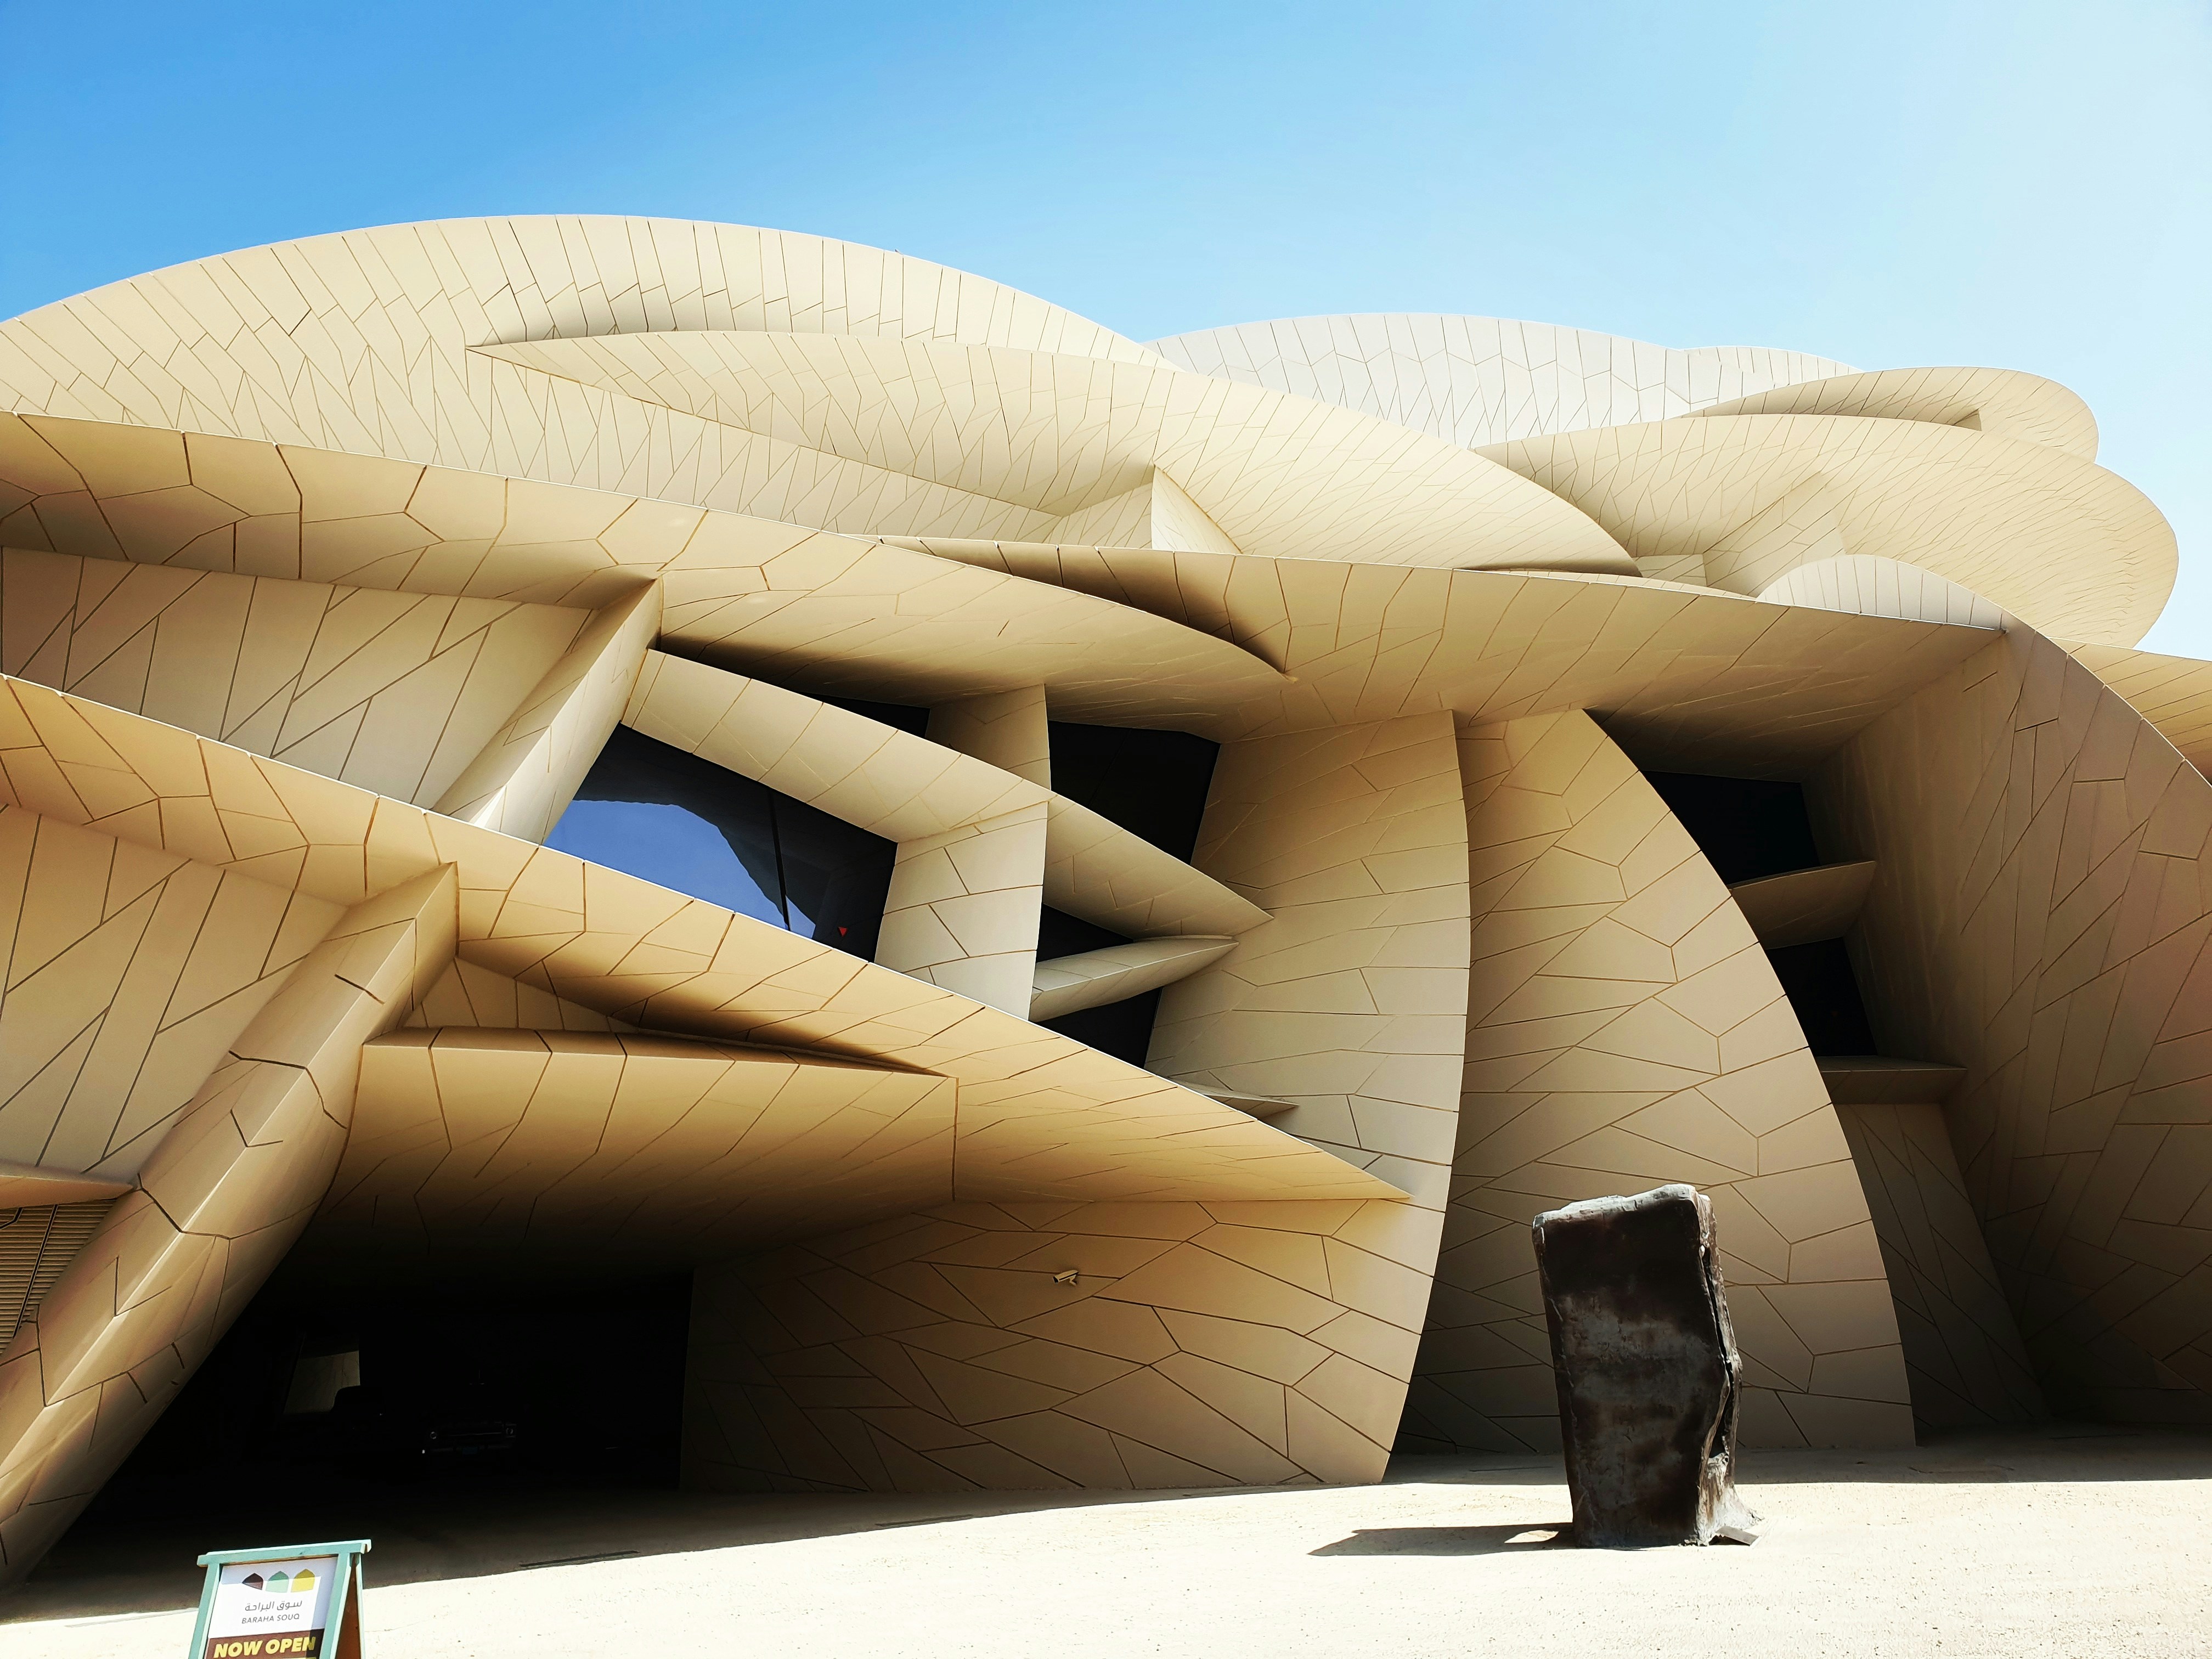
(1348, 1000)
(1205, 1343)
(546, 376)
(1625, 1029)
(965, 907)
(2174, 694)
(166, 346)
(525, 774)
(1198, 1345)
(1156, 514)
(1709, 680)
(1090, 979)
(224, 1194)
(396, 692)
(996, 1255)
(2041, 917)
(2002, 401)
(1012, 730)
(1963, 1354)
(149, 495)
(130, 972)
(1043, 1117)
(1483, 380)
(919, 438)
(2044, 534)
(1867, 584)
(559, 1156)
(981, 848)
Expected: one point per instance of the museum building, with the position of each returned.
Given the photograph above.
(710, 853)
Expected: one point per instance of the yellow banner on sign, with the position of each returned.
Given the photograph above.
(299, 1603)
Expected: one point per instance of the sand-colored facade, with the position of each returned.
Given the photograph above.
(329, 573)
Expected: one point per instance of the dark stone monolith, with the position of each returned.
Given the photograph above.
(1647, 1369)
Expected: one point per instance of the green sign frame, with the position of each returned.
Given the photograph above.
(342, 1633)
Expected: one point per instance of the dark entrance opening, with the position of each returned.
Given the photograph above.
(1154, 784)
(1824, 995)
(1751, 827)
(1747, 827)
(322, 1409)
(1123, 1029)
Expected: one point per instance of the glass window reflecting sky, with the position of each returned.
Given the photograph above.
(684, 823)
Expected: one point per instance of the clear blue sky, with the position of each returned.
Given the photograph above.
(2023, 184)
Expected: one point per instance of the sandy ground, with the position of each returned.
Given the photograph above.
(2063, 1542)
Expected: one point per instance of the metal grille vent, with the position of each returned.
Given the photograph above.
(36, 1244)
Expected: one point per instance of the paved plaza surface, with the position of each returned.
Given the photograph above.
(2062, 1541)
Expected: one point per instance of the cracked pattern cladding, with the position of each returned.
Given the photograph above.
(1482, 380)
(2049, 932)
(218, 1203)
(326, 569)
(396, 692)
(1962, 1347)
(1197, 1345)
(1624, 1030)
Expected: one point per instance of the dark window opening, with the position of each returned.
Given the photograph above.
(324, 1408)
(1751, 827)
(1059, 934)
(322, 1373)
(1748, 828)
(1124, 1029)
(1824, 992)
(651, 810)
(1153, 784)
(903, 717)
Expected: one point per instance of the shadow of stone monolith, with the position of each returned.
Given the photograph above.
(1647, 1369)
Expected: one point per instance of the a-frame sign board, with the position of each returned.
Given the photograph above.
(289, 1602)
